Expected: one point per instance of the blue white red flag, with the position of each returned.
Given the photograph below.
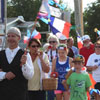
(57, 25)
(35, 34)
(79, 41)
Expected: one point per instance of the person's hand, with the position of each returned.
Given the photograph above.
(0, 70)
(23, 59)
(40, 54)
(63, 82)
(9, 75)
(95, 67)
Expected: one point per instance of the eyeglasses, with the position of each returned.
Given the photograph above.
(34, 46)
(97, 46)
(52, 41)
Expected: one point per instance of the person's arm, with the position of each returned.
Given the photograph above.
(92, 68)
(66, 86)
(89, 65)
(6, 75)
(70, 62)
(27, 67)
(88, 89)
(44, 63)
(71, 70)
(88, 83)
(53, 65)
(69, 73)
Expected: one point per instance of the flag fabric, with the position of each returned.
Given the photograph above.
(55, 11)
(40, 15)
(57, 25)
(98, 32)
(35, 34)
(57, 1)
(79, 40)
(94, 90)
(45, 7)
(25, 39)
(44, 20)
(92, 81)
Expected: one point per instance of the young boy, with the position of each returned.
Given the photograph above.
(78, 82)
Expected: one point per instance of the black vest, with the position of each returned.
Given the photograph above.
(16, 88)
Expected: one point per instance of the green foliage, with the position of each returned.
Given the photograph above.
(73, 31)
(92, 19)
(27, 8)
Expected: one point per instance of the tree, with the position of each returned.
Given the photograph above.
(26, 8)
(92, 19)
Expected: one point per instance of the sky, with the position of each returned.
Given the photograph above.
(85, 2)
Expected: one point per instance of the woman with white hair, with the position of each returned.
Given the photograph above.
(52, 53)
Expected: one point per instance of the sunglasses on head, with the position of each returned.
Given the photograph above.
(52, 41)
(97, 46)
(34, 46)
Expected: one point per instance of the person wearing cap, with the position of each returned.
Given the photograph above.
(61, 65)
(63, 40)
(78, 82)
(88, 47)
(15, 68)
(93, 64)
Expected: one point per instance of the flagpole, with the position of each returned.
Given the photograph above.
(79, 16)
(5, 24)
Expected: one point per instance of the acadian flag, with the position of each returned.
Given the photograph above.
(35, 34)
(59, 26)
(79, 41)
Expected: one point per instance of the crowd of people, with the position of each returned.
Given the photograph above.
(21, 71)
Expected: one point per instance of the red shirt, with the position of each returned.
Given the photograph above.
(86, 52)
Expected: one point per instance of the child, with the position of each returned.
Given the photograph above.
(60, 64)
(78, 82)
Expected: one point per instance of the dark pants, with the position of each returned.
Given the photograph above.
(97, 86)
(6, 94)
(37, 95)
(50, 95)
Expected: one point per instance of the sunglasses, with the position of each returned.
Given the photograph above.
(97, 46)
(34, 46)
(52, 41)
